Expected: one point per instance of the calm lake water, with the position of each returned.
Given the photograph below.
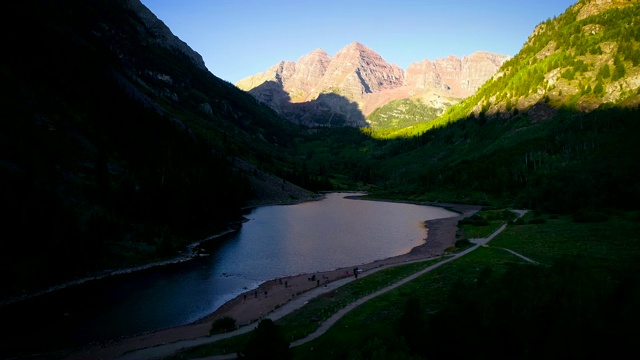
(276, 241)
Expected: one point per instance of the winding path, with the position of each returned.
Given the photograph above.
(164, 350)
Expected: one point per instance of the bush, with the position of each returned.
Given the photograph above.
(450, 249)
(266, 342)
(462, 243)
(538, 220)
(589, 216)
(222, 325)
(475, 220)
(566, 310)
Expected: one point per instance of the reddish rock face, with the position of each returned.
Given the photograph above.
(357, 70)
(310, 69)
(452, 76)
(361, 77)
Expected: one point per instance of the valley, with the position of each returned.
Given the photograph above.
(120, 149)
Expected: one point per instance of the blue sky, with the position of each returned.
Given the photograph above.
(239, 38)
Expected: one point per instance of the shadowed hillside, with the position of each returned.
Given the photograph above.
(585, 59)
(117, 145)
(553, 129)
(326, 110)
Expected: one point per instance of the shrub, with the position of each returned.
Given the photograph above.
(475, 220)
(222, 325)
(589, 216)
(463, 243)
(450, 249)
(538, 220)
(266, 342)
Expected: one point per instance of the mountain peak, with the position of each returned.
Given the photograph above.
(317, 52)
(356, 70)
(162, 34)
(454, 76)
(356, 44)
(361, 77)
(356, 47)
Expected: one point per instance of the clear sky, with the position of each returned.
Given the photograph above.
(239, 38)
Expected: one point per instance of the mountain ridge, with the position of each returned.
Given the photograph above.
(570, 62)
(162, 33)
(360, 75)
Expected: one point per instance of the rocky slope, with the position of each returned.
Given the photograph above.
(359, 79)
(452, 75)
(161, 34)
(585, 59)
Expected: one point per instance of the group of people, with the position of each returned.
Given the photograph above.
(255, 294)
(286, 283)
(356, 271)
(324, 277)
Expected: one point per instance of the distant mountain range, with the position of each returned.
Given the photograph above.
(320, 90)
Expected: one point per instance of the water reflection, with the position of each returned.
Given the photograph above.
(276, 241)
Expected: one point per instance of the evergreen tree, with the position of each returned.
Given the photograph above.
(266, 342)
(569, 74)
(619, 71)
(605, 71)
(412, 325)
(599, 88)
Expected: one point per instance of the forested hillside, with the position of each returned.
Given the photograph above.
(117, 145)
(585, 59)
(399, 114)
(554, 129)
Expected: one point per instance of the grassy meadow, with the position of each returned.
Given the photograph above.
(584, 269)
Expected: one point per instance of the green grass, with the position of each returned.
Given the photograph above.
(474, 231)
(486, 223)
(375, 318)
(611, 245)
(305, 320)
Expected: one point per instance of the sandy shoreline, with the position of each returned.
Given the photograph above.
(254, 304)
